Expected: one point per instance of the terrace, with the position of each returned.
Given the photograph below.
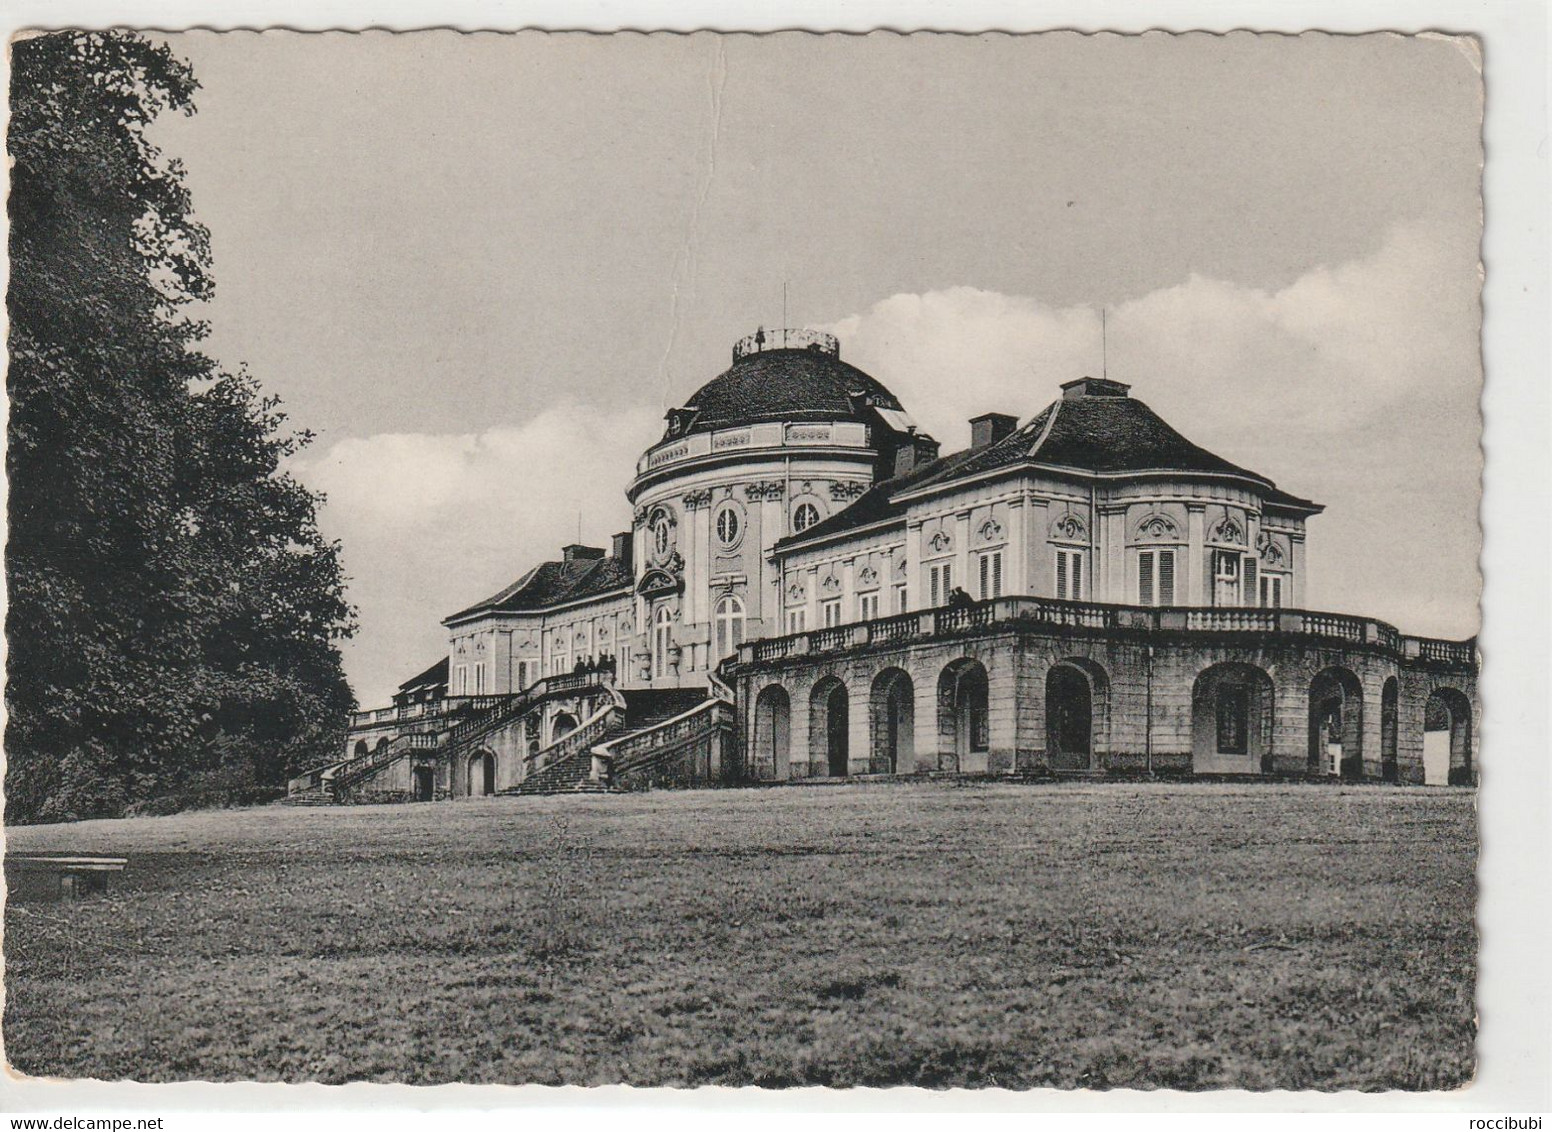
(1090, 618)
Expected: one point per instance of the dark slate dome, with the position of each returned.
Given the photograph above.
(783, 376)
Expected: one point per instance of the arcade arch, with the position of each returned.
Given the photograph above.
(1232, 708)
(828, 721)
(773, 731)
(963, 716)
(1336, 724)
(893, 722)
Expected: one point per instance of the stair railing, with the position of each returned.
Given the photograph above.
(359, 767)
(586, 734)
(632, 749)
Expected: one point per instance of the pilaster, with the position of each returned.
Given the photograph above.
(1196, 555)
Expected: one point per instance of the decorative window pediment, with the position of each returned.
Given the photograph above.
(1270, 550)
(1069, 528)
(990, 531)
(1158, 526)
(830, 584)
(867, 576)
(940, 541)
(795, 592)
(1228, 530)
(656, 582)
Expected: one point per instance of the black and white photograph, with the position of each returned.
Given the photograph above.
(783, 560)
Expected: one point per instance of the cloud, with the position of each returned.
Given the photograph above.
(433, 522)
(1359, 337)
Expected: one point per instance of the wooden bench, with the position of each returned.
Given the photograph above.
(38, 878)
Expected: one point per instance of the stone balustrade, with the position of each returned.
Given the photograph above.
(1012, 612)
(842, 434)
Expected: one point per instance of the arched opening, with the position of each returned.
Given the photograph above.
(773, 732)
(893, 722)
(1336, 725)
(1390, 770)
(362, 750)
(828, 713)
(482, 774)
(1069, 716)
(382, 745)
(425, 783)
(964, 726)
(562, 725)
(1231, 720)
(1447, 739)
(729, 625)
(662, 640)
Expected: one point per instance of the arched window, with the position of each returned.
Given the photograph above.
(730, 625)
(805, 516)
(730, 527)
(662, 640)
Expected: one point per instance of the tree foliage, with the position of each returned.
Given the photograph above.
(173, 608)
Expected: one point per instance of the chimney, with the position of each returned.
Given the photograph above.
(989, 428)
(620, 548)
(914, 451)
(576, 552)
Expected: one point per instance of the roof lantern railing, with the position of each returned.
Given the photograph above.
(789, 338)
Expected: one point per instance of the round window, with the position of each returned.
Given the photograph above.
(729, 527)
(805, 516)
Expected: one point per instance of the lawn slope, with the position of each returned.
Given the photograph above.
(1188, 936)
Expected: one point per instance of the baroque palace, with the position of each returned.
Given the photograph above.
(810, 590)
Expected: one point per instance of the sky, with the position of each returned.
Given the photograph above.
(480, 267)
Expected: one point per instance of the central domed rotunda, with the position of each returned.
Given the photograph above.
(786, 437)
(786, 375)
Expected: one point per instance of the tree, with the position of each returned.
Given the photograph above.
(170, 595)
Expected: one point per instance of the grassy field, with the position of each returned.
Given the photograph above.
(1188, 936)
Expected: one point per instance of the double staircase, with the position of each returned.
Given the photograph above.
(638, 738)
(572, 764)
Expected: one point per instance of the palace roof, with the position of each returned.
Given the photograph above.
(782, 385)
(1094, 427)
(554, 583)
(435, 676)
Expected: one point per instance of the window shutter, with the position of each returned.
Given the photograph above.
(1145, 578)
(997, 574)
(1061, 575)
(1075, 568)
(1166, 577)
(986, 576)
(1251, 588)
